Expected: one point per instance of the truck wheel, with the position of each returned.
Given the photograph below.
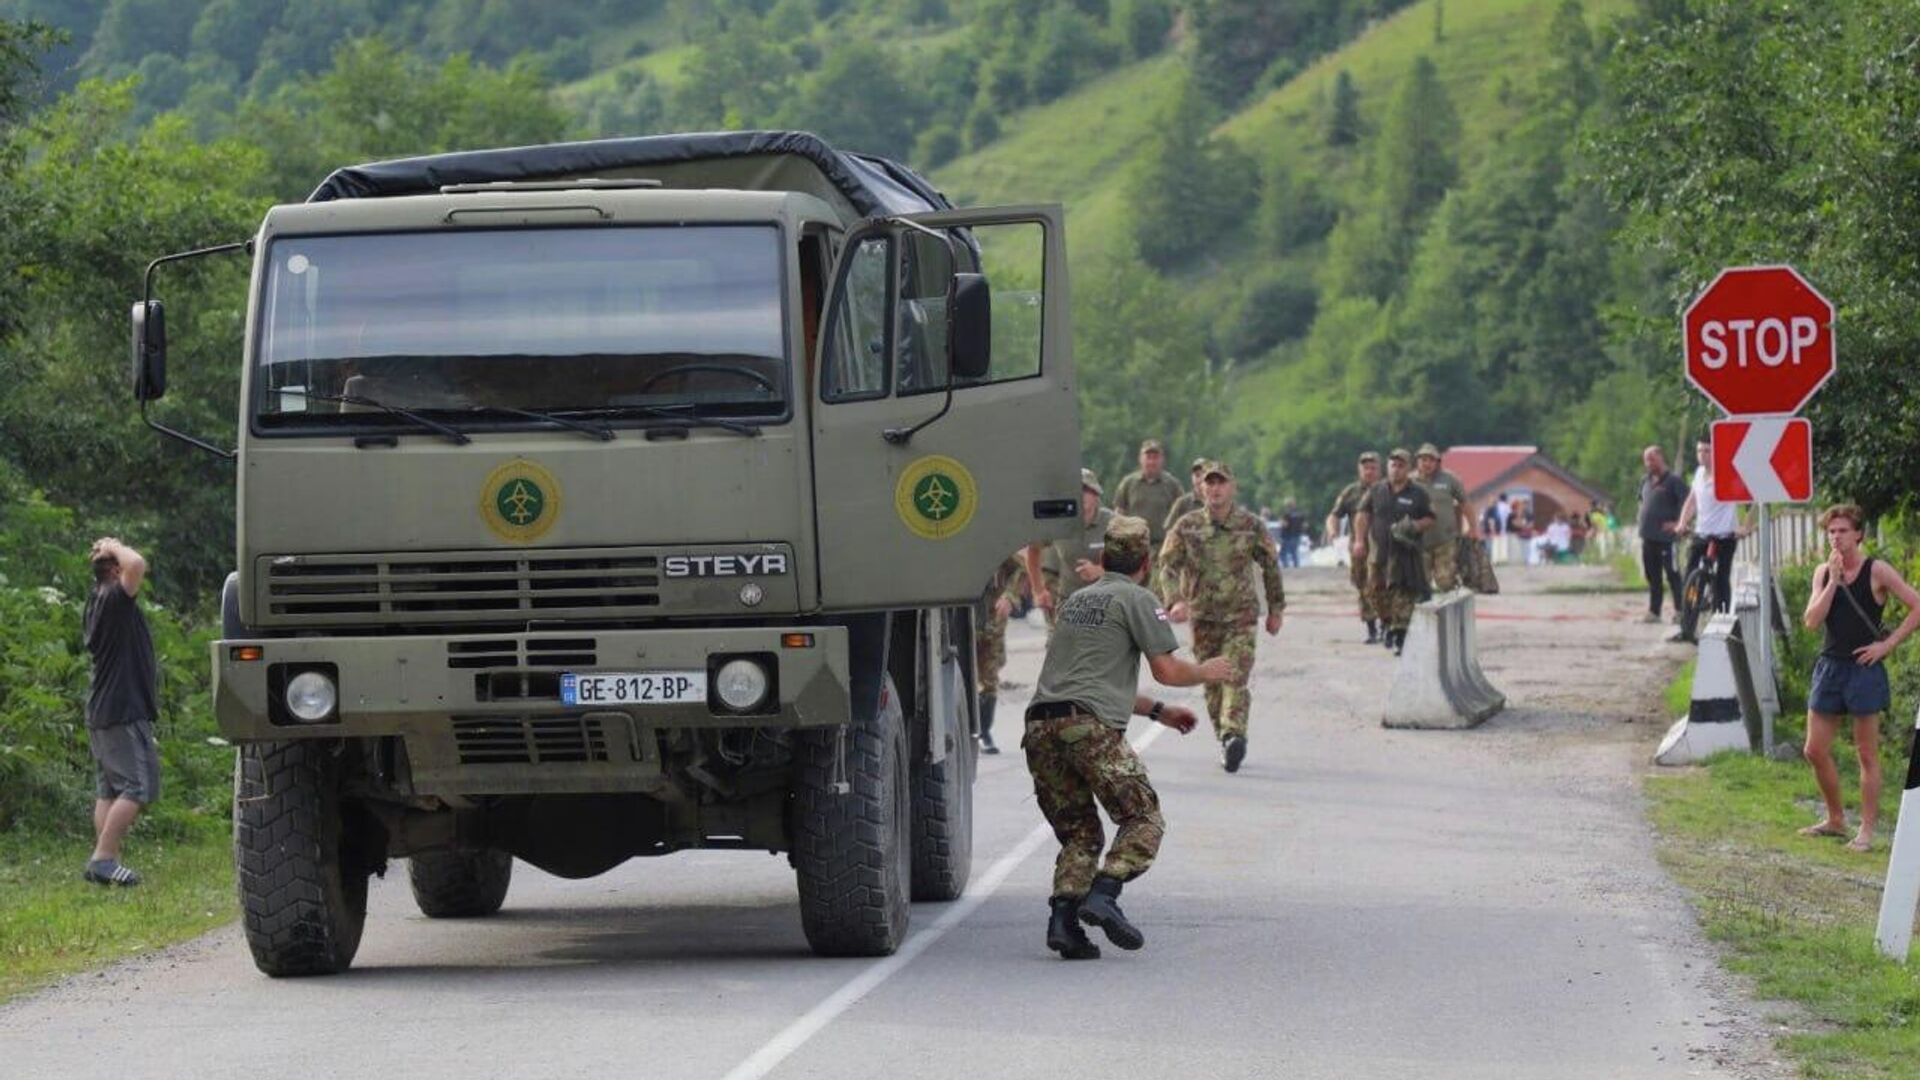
(852, 852)
(460, 884)
(303, 898)
(943, 819)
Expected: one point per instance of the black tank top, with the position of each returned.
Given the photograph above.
(1845, 629)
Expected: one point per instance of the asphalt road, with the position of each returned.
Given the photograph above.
(1355, 903)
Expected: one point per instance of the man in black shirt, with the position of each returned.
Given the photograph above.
(1662, 494)
(1387, 531)
(122, 704)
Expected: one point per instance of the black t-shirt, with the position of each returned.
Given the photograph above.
(1660, 503)
(125, 676)
(1386, 506)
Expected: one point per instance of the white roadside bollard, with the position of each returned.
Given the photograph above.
(1902, 893)
(1713, 722)
(1437, 682)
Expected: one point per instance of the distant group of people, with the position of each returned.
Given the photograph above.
(1404, 534)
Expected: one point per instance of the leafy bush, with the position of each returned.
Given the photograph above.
(46, 783)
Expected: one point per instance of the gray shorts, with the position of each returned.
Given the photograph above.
(126, 762)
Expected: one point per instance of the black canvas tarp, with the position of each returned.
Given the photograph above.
(871, 186)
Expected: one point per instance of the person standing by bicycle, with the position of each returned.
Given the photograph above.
(1849, 595)
(1713, 523)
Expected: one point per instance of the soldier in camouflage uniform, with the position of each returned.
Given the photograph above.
(1002, 595)
(1387, 533)
(1076, 740)
(1451, 518)
(1345, 506)
(1185, 504)
(1062, 568)
(1208, 564)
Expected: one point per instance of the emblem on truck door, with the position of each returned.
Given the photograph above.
(520, 501)
(935, 497)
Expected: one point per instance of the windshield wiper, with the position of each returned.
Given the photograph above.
(450, 433)
(681, 414)
(598, 431)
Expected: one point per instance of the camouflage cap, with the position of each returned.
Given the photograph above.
(1369, 456)
(1427, 449)
(1154, 446)
(1217, 468)
(1089, 481)
(1128, 537)
(1198, 464)
(1400, 454)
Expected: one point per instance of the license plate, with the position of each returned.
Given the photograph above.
(633, 688)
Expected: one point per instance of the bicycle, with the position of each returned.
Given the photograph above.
(1700, 592)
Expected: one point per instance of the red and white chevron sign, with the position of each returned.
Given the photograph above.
(1767, 459)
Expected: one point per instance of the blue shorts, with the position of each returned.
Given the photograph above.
(1844, 688)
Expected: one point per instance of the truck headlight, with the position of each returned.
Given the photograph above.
(741, 684)
(311, 696)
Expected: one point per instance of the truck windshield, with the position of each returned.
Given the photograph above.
(598, 321)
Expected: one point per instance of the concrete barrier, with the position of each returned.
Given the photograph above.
(1438, 682)
(1713, 721)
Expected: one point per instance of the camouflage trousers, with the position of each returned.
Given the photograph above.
(1357, 573)
(989, 652)
(1077, 761)
(1228, 703)
(1393, 607)
(1443, 567)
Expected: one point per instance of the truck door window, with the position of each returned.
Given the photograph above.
(1012, 256)
(920, 320)
(856, 360)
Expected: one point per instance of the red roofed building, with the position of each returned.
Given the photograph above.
(1522, 472)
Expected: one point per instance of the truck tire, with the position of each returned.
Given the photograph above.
(303, 899)
(460, 884)
(852, 852)
(943, 816)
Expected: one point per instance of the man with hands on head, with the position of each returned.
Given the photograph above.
(1849, 595)
(1076, 739)
(122, 705)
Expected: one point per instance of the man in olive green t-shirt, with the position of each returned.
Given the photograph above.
(1076, 739)
(1149, 493)
(1440, 543)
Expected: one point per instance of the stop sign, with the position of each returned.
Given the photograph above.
(1759, 340)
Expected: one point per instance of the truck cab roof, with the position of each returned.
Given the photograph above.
(548, 205)
(855, 185)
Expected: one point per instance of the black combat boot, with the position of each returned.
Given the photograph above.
(1064, 935)
(1234, 752)
(1102, 909)
(1373, 631)
(987, 701)
(1399, 641)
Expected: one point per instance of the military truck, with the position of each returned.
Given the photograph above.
(616, 498)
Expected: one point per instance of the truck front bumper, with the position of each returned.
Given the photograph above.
(470, 706)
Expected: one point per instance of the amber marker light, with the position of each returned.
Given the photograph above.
(796, 641)
(245, 653)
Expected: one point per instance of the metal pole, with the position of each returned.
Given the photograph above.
(1766, 623)
(1902, 893)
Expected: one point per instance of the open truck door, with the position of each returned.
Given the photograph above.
(937, 453)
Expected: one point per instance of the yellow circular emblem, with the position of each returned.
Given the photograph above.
(935, 497)
(520, 501)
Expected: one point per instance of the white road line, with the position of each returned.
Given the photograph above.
(797, 1034)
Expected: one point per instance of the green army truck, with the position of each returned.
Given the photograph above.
(616, 498)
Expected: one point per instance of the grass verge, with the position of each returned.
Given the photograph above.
(1795, 915)
(53, 924)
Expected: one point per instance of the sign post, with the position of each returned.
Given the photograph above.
(1759, 343)
(1895, 932)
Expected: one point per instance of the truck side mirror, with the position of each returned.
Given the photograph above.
(970, 330)
(149, 351)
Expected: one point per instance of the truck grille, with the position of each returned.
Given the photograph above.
(520, 740)
(434, 588)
